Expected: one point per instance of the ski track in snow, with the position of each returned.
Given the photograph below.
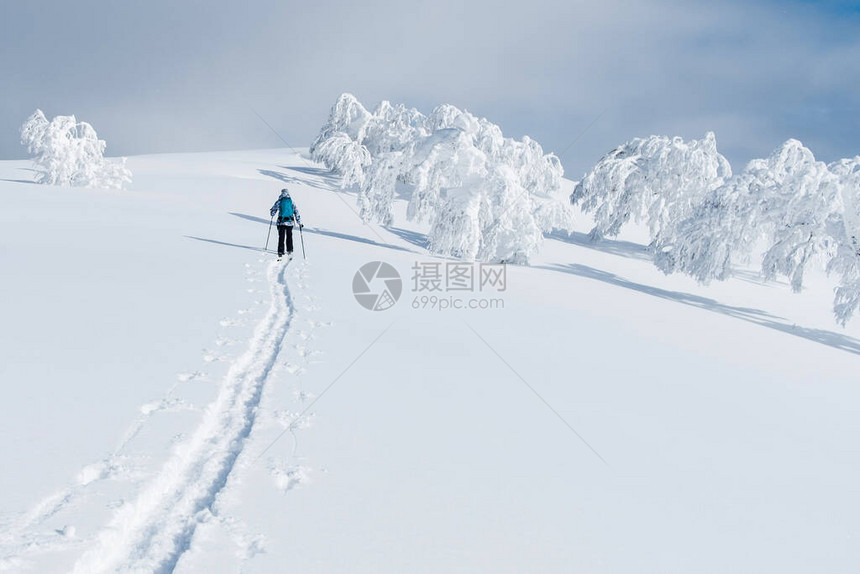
(19, 539)
(152, 533)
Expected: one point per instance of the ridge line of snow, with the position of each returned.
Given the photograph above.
(151, 533)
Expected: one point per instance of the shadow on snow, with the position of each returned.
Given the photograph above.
(641, 252)
(610, 246)
(413, 237)
(327, 233)
(320, 178)
(216, 242)
(755, 316)
(357, 239)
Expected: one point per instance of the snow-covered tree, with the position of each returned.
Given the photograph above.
(657, 180)
(393, 128)
(352, 136)
(486, 197)
(799, 209)
(34, 131)
(339, 145)
(846, 232)
(68, 152)
(511, 230)
(540, 175)
(344, 156)
(347, 116)
(788, 199)
(761, 201)
(378, 189)
(801, 204)
(719, 233)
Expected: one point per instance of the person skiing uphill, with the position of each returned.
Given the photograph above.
(288, 216)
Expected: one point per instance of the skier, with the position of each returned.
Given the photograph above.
(288, 215)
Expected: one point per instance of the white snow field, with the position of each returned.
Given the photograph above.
(175, 400)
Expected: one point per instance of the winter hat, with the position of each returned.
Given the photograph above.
(285, 193)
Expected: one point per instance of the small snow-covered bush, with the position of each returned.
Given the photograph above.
(68, 152)
(487, 197)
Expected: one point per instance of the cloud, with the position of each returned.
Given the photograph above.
(175, 76)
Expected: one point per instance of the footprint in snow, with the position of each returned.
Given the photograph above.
(211, 357)
(93, 472)
(287, 478)
(185, 377)
(109, 469)
(66, 531)
(305, 352)
(166, 406)
(249, 544)
(289, 420)
(295, 369)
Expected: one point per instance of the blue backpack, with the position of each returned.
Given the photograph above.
(286, 209)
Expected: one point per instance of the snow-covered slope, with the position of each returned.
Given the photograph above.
(176, 400)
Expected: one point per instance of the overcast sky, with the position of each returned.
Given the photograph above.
(165, 75)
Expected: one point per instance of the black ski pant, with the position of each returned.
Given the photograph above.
(285, 231)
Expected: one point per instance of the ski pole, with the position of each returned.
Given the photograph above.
(302, 237)
(270, 233)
